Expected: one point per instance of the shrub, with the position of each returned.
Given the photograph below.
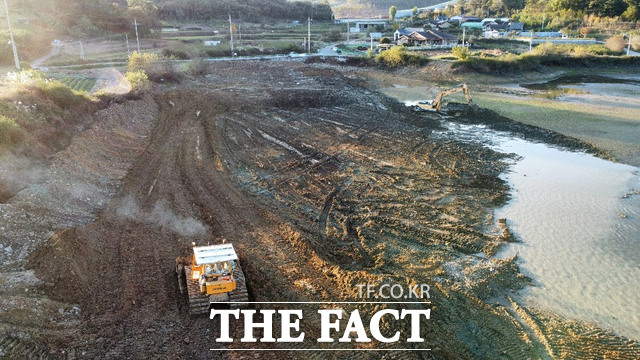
(635, 42)
(138, 80)
(10, 132)
(580, 51)
(460, 52)
(60, 93)
(615, 43)
(546, 49)
(333, 36)
(154, 69)
(175, 54)
(385, 40)
(398, 56)
(140, 61)
(198, 66)
(163, 72)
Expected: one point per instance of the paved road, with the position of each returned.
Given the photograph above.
(631, 52)
(55, 51)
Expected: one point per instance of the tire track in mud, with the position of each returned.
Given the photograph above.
(326, 208)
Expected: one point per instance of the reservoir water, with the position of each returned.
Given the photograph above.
(578, 219)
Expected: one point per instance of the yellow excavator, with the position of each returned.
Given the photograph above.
(212, 277)
(436, 104)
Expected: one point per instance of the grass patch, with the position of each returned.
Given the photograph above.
(33, 82)
(543, 112)
(606, 126)
(531, 62)
(10, 133)
(81, 84)
(545, 55)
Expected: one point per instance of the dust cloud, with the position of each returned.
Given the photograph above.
(17, 173)
(161, 215)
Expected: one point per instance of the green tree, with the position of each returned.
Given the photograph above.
(632, 13)
(460, 7)
(84, 28)
(415, 11)
(392, 12)
(145, 12)
(461, 52)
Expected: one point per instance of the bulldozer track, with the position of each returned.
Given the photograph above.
(239, 296)
(16, 348)
(199, 303)
(328, 204)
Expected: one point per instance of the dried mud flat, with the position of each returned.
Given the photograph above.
(321, 184)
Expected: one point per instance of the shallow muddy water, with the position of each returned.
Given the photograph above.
(568, 80)
(578, 219)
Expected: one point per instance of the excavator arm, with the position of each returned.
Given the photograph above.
(436, 104)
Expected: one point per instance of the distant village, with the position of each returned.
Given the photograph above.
(434, 34)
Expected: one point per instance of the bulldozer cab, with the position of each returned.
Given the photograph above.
(213, 267)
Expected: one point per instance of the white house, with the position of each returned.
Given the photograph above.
(405, 31)
(362, 25)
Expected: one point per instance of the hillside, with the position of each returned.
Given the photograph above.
(369, 8)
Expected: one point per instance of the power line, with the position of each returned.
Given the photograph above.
(13, 43)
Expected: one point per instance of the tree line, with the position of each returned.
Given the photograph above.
(248, 10)
(626, 9)
(95, 17)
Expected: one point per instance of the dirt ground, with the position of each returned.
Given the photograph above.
(319, 181)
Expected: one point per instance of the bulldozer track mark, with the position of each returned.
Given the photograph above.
(16, 348)
(328, 204)
(306, 168)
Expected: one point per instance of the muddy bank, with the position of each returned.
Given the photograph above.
(463, 113)
(318, 194)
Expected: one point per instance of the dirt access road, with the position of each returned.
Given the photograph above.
(321, 184)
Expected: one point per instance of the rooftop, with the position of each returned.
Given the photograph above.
(214, 254)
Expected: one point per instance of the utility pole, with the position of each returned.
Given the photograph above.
(81, 51)
(371, 36)
(126, 36)
(135, 21)
(231, 34)
(464, 33)
(544, 18)
(629, 45)
(348, 31)
(531, 39)
(309, 34)
(13, 43)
